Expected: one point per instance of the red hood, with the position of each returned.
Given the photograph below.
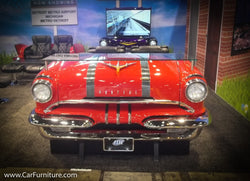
(118, 79)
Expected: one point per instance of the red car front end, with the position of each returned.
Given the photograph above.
(120, 97)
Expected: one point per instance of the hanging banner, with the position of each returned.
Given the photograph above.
(54, 12)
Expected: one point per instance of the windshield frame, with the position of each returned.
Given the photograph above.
(113, 56)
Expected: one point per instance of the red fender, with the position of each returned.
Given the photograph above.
(77, 48)
(20, 50)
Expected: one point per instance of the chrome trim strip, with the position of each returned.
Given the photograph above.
(44, 76)
(120, 101)
(162, 124)
(129, 114)
(194, 75)
(189, 108)
(186, 131)
(154, 123)
(46, 65)
(90, 86)
(106, 113)
(118, 114)
(145, 79)
(176, 122)
(60, 121)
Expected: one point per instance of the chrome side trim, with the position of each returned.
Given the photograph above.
(145, 79)
(120, 101)
(189, 108)
(90, 86)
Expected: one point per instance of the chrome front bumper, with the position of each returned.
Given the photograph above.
(80, 128)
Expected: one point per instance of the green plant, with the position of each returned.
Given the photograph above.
(171, 49)
(236, 92)
(6, 58)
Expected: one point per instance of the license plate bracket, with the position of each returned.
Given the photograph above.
(123, 144)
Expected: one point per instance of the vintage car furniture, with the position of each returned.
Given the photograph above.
(14, 69)
(40, 48)
(128, 41)
(29, 58)
(62, 44)
(119, 98)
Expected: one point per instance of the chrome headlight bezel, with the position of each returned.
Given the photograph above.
(202, 87)
(47, 85)
(153, 42)
(103, 43)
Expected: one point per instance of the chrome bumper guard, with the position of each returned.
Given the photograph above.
(61, 121)
(65, 128)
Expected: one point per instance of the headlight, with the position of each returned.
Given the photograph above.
(152, 43)
(196, 90)
(41, 91)
(103, 43)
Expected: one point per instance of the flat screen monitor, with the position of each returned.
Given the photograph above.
(128, 22)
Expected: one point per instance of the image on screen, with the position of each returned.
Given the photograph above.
(128, 22)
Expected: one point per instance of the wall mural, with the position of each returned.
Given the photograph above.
(168, 23)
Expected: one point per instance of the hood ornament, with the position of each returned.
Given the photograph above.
(118, 67)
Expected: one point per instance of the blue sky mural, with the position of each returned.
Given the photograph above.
(168, 22)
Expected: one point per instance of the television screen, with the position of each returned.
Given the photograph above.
(128, 22)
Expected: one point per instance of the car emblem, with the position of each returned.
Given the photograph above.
(118, 67)
(118, 142)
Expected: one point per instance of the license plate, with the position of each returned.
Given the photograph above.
(118, 144)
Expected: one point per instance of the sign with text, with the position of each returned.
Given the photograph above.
(54, 12)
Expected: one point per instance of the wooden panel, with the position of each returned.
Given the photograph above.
(213, 41)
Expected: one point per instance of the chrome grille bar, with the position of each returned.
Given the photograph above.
(129, 114)
(120, 101)
(118, 114)
(91, 80)
(145, 79)
(106, 113)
